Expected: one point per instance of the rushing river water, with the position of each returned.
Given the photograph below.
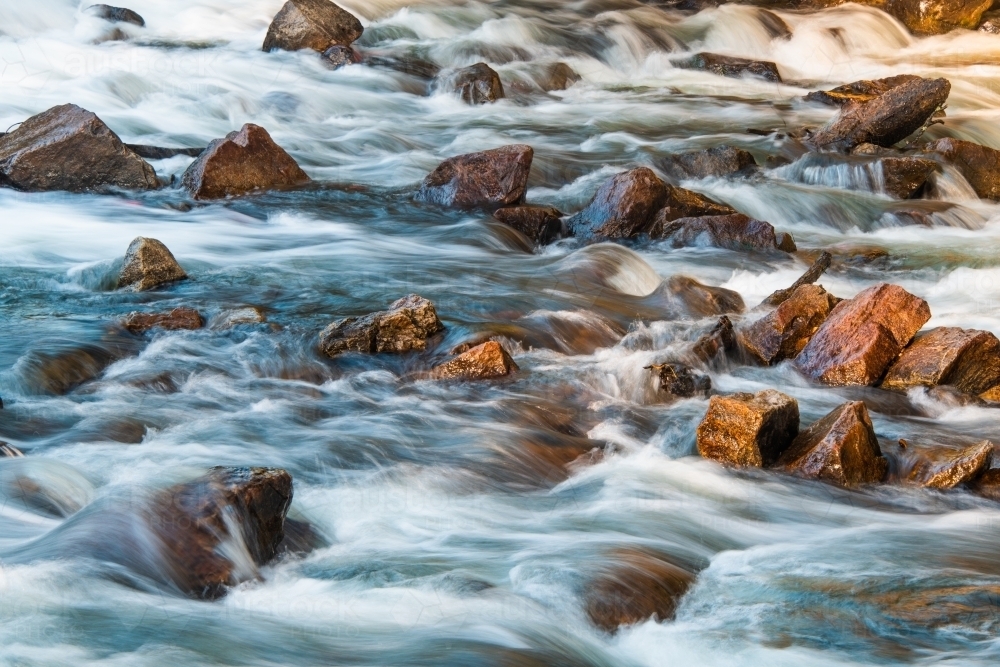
(457, 533)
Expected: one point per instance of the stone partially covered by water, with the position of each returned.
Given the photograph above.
(404, 327)
(492, 178)
(311, 24)
(148, 264)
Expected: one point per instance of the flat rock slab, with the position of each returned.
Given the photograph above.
(859, 91)
(69, 148)
(732, 232)
(148, 263)
(243, 162)
(947, 470)
(483, 362)
(404, 327)
(967, 359)
(863, 335)
(840, 448)
(541, 224)
(489, 179)
(311, 24)
(713, 162)
(980, 165)
(178, 318)
(730, 66)
(623, 208)
(782, 333)
(748, 429)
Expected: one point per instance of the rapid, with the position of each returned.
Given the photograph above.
(462, 522)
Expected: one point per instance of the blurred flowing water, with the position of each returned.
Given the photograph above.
(463, 520)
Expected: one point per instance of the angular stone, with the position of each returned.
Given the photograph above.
(116, 14)
(732, 232)
(681, 203)
(886, 119)
(680, 380)
(69, 148)
(483, 362)
(812, 274)
(195, 523)
(404, 327)
(782, 333)
(713, 162)
(840, 448)
(936, 17)
(948, 470)
(748, 429)
(639, 585)
(624, 206)
(242, 162)
(967, 359)
(859, 91)
(862, 336)
(541, 224)
(311, 24)
(178, 318)
(492, 179)
(477, 84)
(979, 165)
(730, 66)
(902, 177)
(148, 263)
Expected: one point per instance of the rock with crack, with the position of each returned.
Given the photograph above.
(176, 319)
(486, 361)
(732, 232)
(967, 359)
(148, 263)
(404, 327)
(748, 429)
(840, 448)
(69, 148)
(623, 208)
(782, 333)
(311, 24)
(541, 224)
(948, 469)
(979, 165)
(715, 162)
(731, 66)
(488, 179)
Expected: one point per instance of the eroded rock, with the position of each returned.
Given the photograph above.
(178, 318)
(624, 206)
(979, 165)
(541, 224)
(404, 327)
(748, 429)
(732, 232)
(782, 333)
(946, 470)
(492, 179)
(859, 91)
(731, 66)
(713, 162)
(968, 359)
(483, 362)
(477, 84)
(311, 24)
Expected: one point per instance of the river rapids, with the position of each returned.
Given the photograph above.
(461, 523)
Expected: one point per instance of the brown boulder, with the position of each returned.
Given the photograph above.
(493, 178)
(116, 14)
(178, 318)
(638, 586)
(681, 203)
(242, 162)
(942, 470)
(748, 429)
(841, 448)
(148, 263)
(859, 91)
(712, 162)
(405, 327)
(903, 177)
(680, 380)
(483, 362)
(967, 359)
(730, 66)
(311, 24)
(863, 335)
(988, 484)
(623, 208)
(979, 165)
(732, 232)
(782, 333)
(194, 522)
(936, 17)
(559, 76)
(541, 224)
(69, 148)
(887, 119)
(477, 84)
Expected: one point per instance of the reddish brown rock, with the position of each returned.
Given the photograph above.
(623, 208)
(936, 17)
(243, 162)
(840, 448)
(637, 586)
(311, 24)
(979, 165)
(862, 336)
(477, 84)
(491, 179)
(903, 177)
(732, 232)
(679, 380)
(69, 148)
(194, 522)
(148, 263)
(541, 224)
(558, 76)
(988, 484)
(887, 119)
(681, 203)
(730, 66)
(178, 318)
(483, 362)
(812, 274)
(946, 470)
(859, 91)
(967, 359)
(748, 429)
(713, 162)
(782, 333)
(405, 327)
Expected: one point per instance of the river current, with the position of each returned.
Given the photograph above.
(463, 521)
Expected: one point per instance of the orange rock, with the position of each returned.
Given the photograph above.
(782, 333)
(483, 362)
(748, 429)
(967, 359)
(948, 470)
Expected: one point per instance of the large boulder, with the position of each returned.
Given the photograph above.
(176, 319)
(967, 359)
(639, 585)
(936, 17)
(862, 336)
(69, 148)
(887, 119)
(840, 448)
(731, 66)
(733, 232)
(748, 429)
(947, 469)
(782, 333)
(482, 362)
(859, 91)
(242, 162)
(311, 24)
(477, 84)
(623, 208)
(979, 165)
(681, 203)
(713, 162)
(491, 179)
(541, 224)
(196, 521)
(404, 327)
(148, 263)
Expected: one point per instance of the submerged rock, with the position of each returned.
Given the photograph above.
(116, 14)
(477, 84)
(195, 523)
(979, 165)
(936, 17)
(681, 203)
(148, 263)
(713, 162)
(237, 316)
(483, 362)
(639, 585)
(69, 148)
(311, 24)
(859, 91)
(732, 232)
(680, 380)
(967, 359)
(492, 179)
(863, 335)
(696, 299)
(178, 318)
(730, 66)
(623, 208)
(404, 327)
(946, 470)
(782, 333)
(840, 448)
(559, 76)
(541, 224)
(242, 162)
(748, 429)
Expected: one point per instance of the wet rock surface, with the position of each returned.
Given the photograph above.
(116, 14)
(559, 76)
(623, 208)
(311, 24)
(732, 232)
(712, 162)
(541, 224)
(477, 84)
(490, 179)
(980, 165)
(228, 319)
(812, 274)
(947, 469)
(681, 203)
(859, 91)
(782, 333)
(404, 327)
(903, 177)
(748, 429)
(936, 17)
(482, 362)
(338, 56)
(967, 359)
(731, 66)
(695, 299)
(678, 380)
(148, 263)
(718, 342)
(178, 318)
